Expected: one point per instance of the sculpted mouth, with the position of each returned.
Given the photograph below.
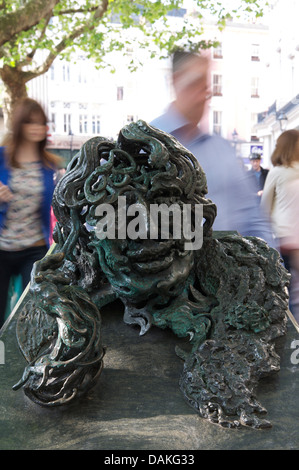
(154, 256)
(154, 266)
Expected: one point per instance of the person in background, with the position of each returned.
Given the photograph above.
(280, 200)
(229, 185)
(258, 172)
(26, 187)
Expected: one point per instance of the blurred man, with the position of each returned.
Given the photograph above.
(229, 185)
(258, 172)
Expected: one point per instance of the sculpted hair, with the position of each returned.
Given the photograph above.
(23, 114)
(143, 159)
(286, 151)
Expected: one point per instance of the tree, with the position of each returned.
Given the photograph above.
(33, 33)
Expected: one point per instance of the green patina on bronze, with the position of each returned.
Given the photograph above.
(229, 297)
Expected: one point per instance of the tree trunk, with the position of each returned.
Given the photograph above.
(14, 90)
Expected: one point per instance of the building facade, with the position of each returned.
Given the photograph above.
(238, 83)
(83, 101)
(282, 110)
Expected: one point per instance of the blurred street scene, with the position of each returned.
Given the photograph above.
(253, 77)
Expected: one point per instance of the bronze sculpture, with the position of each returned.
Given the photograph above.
(229, 296)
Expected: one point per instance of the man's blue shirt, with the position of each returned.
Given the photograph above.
(229, 185)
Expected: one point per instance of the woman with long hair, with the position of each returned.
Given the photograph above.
(26, 187)
(281, 201)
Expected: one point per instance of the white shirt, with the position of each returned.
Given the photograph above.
(280, 199)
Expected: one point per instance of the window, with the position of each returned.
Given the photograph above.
(96, 125)
(66, 123)
(255, 87)
(82, 78)
(129, 51)
(217, 52)
(52, 74)
(66, 73)
(254, 119)
(217, 85)
(255, 52)
(53, 121)
(83, 123)
(217, 122)
(180, 12)
(120, 93)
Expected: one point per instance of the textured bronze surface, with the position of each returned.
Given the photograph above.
(229, 297)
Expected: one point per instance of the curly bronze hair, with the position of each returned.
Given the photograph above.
(142, 159)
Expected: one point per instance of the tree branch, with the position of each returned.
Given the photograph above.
(90, 24)
(74, 10)
(31, 54)
(24, 18)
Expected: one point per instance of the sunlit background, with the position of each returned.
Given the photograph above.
(254, 80)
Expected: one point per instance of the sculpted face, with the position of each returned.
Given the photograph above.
(138, 262)
(140, 268)
(141, 198)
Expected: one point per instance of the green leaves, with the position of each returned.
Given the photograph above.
(99, 28)
(34, 32)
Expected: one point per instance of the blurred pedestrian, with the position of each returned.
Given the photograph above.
(26, 187)
(258, 173)
(229, 185)
(281, 200)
